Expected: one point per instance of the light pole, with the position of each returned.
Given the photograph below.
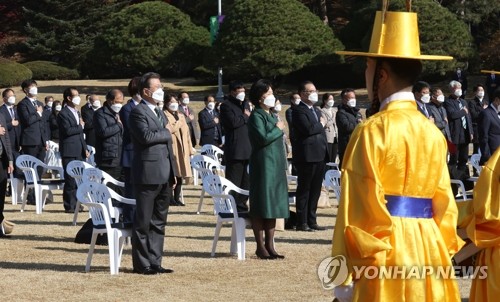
(220, 95)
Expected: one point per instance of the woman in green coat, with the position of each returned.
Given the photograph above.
(268, 182)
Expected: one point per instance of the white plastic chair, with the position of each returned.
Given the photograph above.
(205, 166)
(462, 193)
(43, 188)
(53, 156)
(474, 160)
(291, 179)
(332, 182)
(97, 198)
(225, 207)
(75, 169)
(213, 152)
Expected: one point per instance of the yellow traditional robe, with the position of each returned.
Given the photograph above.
(484, 230)
(397, 152)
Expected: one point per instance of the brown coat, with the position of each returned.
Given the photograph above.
(181, 144)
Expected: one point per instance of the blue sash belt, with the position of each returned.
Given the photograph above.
(411, 207)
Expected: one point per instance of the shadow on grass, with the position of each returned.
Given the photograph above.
(38, 222)
(41, 238)
(191, 224)
(31, 266)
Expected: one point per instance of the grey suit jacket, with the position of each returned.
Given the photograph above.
(152, 162)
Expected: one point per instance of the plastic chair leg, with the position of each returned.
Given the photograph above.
(77, 209)
(201, 201)
(240, 238)
(216, 237)
(91, 251)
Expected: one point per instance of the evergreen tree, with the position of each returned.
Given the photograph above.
(441, 33)
(150, 36)
(271, 38)
(63, 31)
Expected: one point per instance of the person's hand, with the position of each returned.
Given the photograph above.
(10, 169)
(431, 118)
(2, 130)
(280, 125)
(87, 153)
(471, 137)
(322, 120)
(117, 117)
(39, 109)
(466, 110)
(15, 122)
(247, 112)
(46, 146)
(191, 117)
(216, 120)
(82, 122)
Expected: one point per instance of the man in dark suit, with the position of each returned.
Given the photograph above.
(33, 136)
(71, 143)
(421, 91)
(9, 112)
(152, 176)
(47, 111)
(461, 77)
(211, 131)
(128, 148)
(460, 124)
(184, 101)
(6, 166)
(234, 113)
(309, 155)
(492, 83)
(489, 128)
(88, 111)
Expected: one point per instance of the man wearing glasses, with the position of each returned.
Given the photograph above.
(309, 155)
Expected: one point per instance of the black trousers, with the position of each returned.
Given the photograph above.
(461, 157)
(69, 190)
(236, 172)
(309, 181)
(149, 224)
(3, 189)
(332, 151)
(128, 210)
(177, 189)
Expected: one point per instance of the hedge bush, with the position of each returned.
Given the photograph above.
(13, 73)
(46, 70)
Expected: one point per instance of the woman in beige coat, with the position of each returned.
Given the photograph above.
(181, 145)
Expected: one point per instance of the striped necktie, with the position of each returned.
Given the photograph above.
(464, 121)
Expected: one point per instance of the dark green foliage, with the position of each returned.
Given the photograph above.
(441, 33)
(12, 73)
(64, 31)
(45, 70)
(206, 75)
(270, 39)
(144, 37)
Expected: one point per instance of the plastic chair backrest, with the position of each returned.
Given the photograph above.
(332, 181)
(212, 151)
(75, 169)
(30, 164)
(92, 175)
(218, 188)
(94, 193)
(205, 165)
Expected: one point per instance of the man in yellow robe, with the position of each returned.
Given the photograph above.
(484, 230)
(397, 209)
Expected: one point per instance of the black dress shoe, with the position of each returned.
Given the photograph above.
(148, 270)
(317, 227)
(162, 270)
(304, 228)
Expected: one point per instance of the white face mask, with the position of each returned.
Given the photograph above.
(240, 96)
(277, 108)
(76, 100)
(313, 98)
(173, 106)
(296, 101)
(11, 100)
(185, 101)
(211, 106)
(480, 94)
(269, 101)
(49, 104)
(33, 91)
(96, 104)
(330, 103)
(116, 107)
(351, 102)
(58, 108)
(440, 98)
(425, 98)
(458, 92)
(158, 95)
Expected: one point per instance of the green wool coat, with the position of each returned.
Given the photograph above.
(268, 182)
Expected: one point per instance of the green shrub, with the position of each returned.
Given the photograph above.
(205, 74)
(12, 73)
(150, 36)
(46, 70)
